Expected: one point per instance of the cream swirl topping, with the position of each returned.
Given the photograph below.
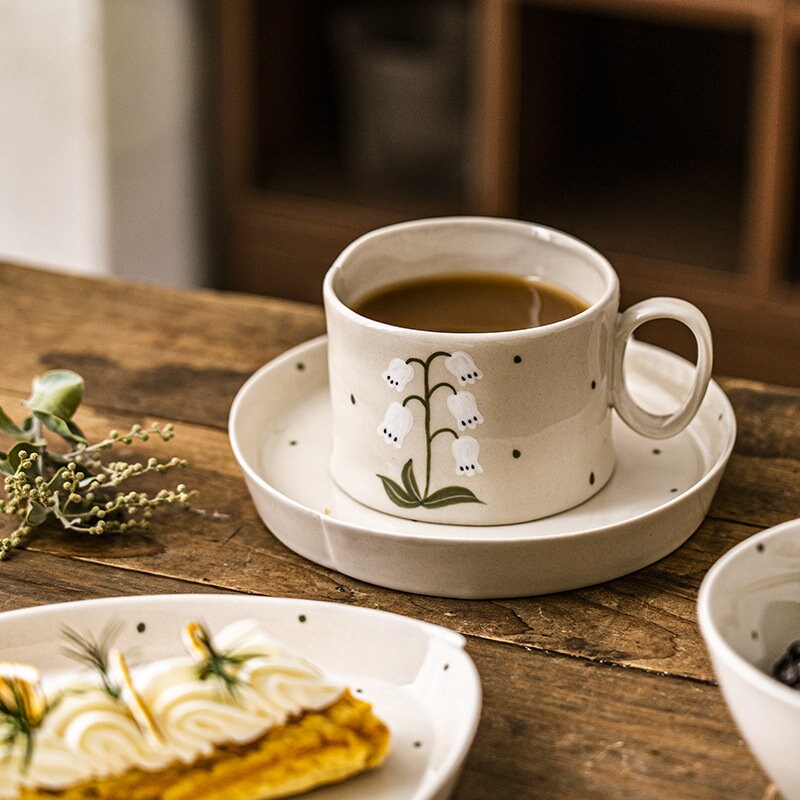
(88, 733)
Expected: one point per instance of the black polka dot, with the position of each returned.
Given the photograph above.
(293, 442)
(417, 744)
(594, 384)
(517, 359)
(760, 547)
(446, 667)
(674, 489)
(754, 635)
(300, 366)
(141, 627)
(302, 618)
(516, 453)
(591, 479)
(656, 451)
(352, 399)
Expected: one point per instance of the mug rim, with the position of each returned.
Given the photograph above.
(553, 235)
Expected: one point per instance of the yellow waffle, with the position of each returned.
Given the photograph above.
(318, 748)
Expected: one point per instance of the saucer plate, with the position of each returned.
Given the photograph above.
(280, 432)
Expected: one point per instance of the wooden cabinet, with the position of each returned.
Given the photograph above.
(663, 132)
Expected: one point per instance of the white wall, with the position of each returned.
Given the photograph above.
(100, 141)
(53, 176)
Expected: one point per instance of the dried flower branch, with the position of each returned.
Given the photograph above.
(76, 487)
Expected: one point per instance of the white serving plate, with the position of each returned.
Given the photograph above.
(660, 492)
(417, 676)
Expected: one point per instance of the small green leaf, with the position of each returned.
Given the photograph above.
(66, 429)
(410, 481)
(7, 426)
(14, 457)
(36, 514)
(397, 494)
(58, 392)
(449, 496)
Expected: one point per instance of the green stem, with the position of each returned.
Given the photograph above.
(428, 439)
(426, 402)
(36, 432)
(444, 430)
(443, 385)
(438, 353)
(426, 365)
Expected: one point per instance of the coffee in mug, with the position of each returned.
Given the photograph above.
(471, 303)
(438, 420)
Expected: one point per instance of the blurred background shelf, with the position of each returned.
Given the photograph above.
(663, 132)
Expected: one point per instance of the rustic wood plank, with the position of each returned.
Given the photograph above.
(601, 692)
(161, 351)
(762, 479)
(40, 578)
(190, 351)
(645, 620)
(562, 728)
(585, 730)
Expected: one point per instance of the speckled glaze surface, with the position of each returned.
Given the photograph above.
(482, 428)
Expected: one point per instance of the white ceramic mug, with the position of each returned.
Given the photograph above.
(519, 424)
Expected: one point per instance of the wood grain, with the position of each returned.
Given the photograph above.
(144, 349)
(645, 620)
(566, 728)
(602, 692)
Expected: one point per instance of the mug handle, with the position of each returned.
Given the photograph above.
(660, 426)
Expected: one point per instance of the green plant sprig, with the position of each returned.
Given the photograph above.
(23, 707)
(94, 653)
(76, 487)
(211, 663)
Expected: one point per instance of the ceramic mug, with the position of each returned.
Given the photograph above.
(486, 428)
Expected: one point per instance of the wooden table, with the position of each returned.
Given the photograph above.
(602, 692)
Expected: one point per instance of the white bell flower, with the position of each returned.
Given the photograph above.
(463, 367)
(464, 409)
(465, 451)
(397, 422)
(398, 374)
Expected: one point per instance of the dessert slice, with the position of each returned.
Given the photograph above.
(239, 718)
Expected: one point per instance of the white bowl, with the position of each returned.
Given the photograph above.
(749, 613)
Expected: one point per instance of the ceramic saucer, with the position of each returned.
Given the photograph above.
(660, 492)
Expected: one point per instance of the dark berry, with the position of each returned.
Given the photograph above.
(787, 668)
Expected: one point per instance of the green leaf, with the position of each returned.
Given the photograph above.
(397, 494)
(410, 481)
(14, 457)
(36, 514)
(8, 426)
(449, 496)
(58, 392)
(64, 428)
